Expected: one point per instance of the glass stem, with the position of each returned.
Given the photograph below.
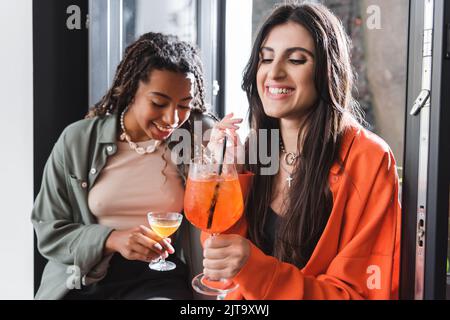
(163, 261)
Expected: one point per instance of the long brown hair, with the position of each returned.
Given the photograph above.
(309, 201)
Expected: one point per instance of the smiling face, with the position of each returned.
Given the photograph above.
(160, 106)
(285, 76)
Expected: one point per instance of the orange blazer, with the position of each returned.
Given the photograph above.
(357, 256)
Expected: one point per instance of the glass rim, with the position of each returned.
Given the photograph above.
(193, 162)
(164, 215)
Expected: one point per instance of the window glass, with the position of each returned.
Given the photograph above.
(176, 17)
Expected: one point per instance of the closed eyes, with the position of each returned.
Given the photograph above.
(293, 61)
(298, 61)
(157, 105)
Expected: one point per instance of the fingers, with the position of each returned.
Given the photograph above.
(168, 246)
(139, 252)
(152, 235)
(236, 140)
(143, 253)
(217, 275)
(214, 264)
(149, 233)
(215, 254)
(225, 255)
(140, 257)
(220, 241)
(229, 117)
(148, 243)
(228, 125)
(219, 134)
(228, 122)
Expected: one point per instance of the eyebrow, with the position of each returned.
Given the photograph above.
(169, 98)
(290, 50)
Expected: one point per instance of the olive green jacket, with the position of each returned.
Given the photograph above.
(67, 232)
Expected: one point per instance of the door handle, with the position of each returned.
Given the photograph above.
(420, 102)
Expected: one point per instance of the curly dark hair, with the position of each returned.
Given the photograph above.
(151, 51)
(156, 51)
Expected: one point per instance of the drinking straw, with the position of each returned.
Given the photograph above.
(212, 207)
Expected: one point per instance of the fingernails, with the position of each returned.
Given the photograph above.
(169, 246)
(158, 247)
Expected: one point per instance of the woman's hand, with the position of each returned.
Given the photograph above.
(139, 243)
(235, 150)
(224, 256)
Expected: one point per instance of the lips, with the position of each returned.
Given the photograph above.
(278, 92)
(163, 128)
(161, 132)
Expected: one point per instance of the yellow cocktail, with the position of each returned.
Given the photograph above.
(164, 224)
(164, 228)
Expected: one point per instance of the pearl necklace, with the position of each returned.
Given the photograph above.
(124, 136)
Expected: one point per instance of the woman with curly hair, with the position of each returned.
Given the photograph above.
(108, 171)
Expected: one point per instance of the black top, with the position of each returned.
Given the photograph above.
(133, 280)
(270, 230)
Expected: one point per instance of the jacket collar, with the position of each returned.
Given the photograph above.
(108, 128)
(349, 137)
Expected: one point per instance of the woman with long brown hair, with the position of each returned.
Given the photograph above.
(326, 226)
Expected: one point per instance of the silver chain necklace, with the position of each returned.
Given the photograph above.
(289, 179)
(290, 158)
(133, 145)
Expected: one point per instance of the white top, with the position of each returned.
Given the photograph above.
(131, 185)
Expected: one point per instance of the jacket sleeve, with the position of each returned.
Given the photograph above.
(59, 237)
(366, 266)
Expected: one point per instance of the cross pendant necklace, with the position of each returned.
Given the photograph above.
(290, 158)
(289, 180)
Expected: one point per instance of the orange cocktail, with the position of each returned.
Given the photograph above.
(213, 202)
(199, 198)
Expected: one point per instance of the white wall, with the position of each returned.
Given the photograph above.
(16, 160)
(238, 49)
